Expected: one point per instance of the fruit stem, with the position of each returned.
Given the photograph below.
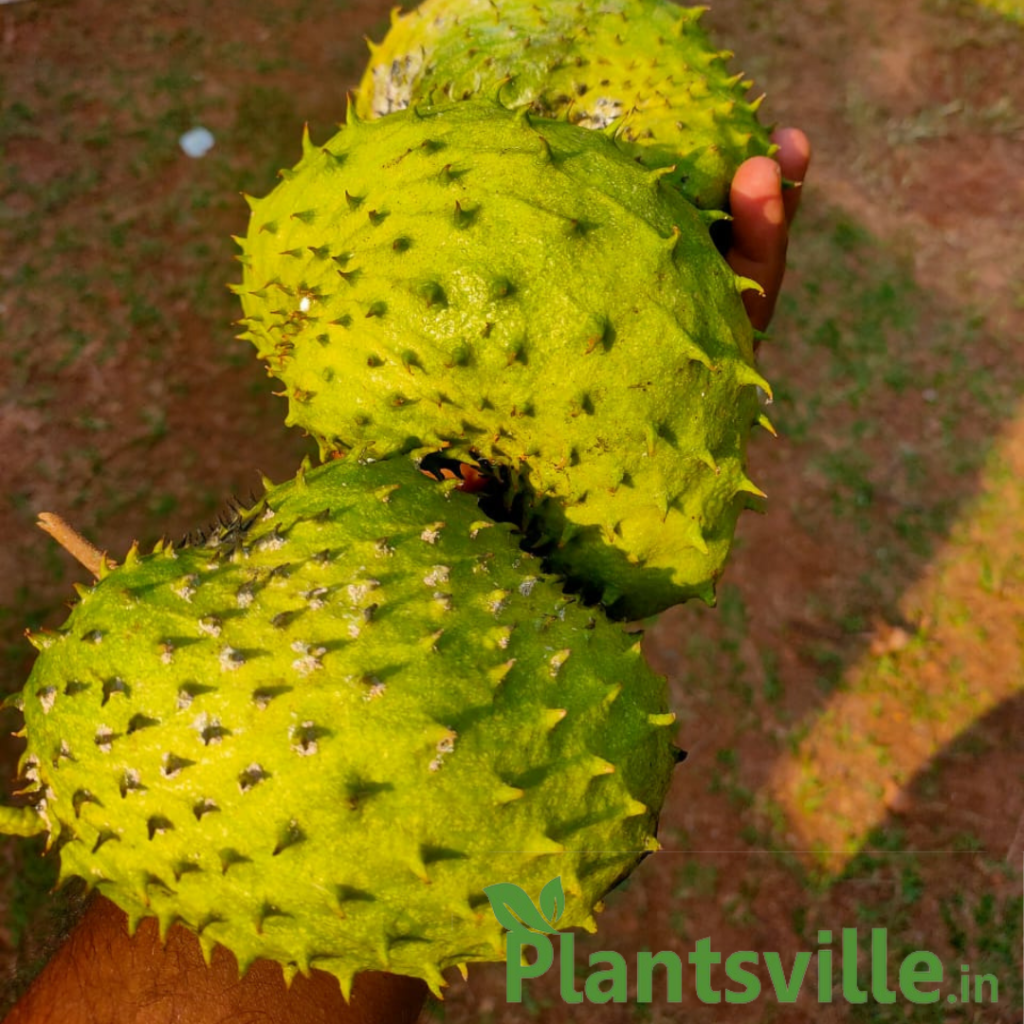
(73, 542)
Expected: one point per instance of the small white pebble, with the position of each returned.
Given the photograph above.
(196, 142)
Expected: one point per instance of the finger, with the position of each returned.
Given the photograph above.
(759, 218)
(794, 157)
(759, 234)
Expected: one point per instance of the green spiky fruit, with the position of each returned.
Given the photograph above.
(645, 64)
(518, 291)
(318, 736)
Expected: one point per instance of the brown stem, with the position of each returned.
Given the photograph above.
(73, 542)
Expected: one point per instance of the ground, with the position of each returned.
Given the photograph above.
(854, 705)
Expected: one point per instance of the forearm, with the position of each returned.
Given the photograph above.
(102, 976)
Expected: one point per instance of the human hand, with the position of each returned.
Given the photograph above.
(762, 211)
(100, 975)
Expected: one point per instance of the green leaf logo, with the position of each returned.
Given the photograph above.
(514, 909)
(552, 900)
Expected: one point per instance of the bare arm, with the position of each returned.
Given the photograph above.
(101, 976)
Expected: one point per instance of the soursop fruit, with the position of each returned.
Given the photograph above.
(645, 65)
(519, 291)
(317, 736)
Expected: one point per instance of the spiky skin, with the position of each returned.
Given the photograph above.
(646, 64)
(318, 736)
(520, 291)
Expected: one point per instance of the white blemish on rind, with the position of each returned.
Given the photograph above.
(393, 83)
(438, 574)
(308, 747)
(605, 110)
(271, 542)
(374, 691)
(431, 533)
(47, 698)
(230, 659)
(310, 660)
(187, 587)
(357, 592)
(445, 746)
(253, 774)
(204, 722)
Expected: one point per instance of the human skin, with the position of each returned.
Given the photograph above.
(762, 211)
(101, 975)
